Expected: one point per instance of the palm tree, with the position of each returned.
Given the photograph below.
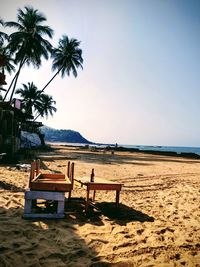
(5, 63)
(42, 106)
(28, 43)
(66, 58)
(46, 106)
(3, 35)
(8, 60)
(5, 58)
(28, 93)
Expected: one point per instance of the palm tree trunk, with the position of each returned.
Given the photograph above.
(9, 87)
(49, 82)
(39, 93)
(38, 115)
(17, 76)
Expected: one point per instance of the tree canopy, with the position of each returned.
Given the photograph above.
(27, 45)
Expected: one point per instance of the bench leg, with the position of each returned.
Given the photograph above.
(31, 200)
(61, 207)
(28, 206)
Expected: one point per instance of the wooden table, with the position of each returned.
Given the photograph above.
(99, 184)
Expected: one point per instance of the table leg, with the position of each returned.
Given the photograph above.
(117, 198)
(87, 201)
(93, 199)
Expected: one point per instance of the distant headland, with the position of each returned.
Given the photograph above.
(61, 135)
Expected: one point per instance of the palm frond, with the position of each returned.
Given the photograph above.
(67, 57)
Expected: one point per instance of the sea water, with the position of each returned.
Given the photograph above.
(178, 149)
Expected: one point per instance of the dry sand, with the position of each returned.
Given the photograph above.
(157, 224)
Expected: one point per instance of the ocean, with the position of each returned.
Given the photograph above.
(177, 149)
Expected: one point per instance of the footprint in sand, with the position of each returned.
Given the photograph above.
(140, 231)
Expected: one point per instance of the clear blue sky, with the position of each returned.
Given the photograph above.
(141, 77)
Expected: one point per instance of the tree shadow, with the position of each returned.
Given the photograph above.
(36, 242)
(42, 242)
(11, 187)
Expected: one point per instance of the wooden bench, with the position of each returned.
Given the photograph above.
(48, 187)
(31, 198)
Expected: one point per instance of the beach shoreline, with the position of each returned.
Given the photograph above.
(120, 148)
(157, 224)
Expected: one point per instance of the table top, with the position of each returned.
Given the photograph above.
(97, 180)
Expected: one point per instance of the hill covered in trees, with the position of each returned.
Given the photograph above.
(69, 136)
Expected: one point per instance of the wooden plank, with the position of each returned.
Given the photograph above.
(52, 176)
(36, 177)
(32, 172)
(50, 187)
(37, 166)
(50, 181)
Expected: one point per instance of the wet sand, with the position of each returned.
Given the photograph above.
(157, 223)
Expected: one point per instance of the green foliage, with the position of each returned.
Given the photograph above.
(42, 106)
(54, 135)
(27, 45)
(67, 57)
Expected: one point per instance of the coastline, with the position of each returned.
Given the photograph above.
(128, 148)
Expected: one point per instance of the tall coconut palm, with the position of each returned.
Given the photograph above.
(29, 93)
(46, 106)
(66, 58)
(28, 44)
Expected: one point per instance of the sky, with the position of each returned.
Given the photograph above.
(140, 82)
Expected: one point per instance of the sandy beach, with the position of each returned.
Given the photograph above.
(157, 223)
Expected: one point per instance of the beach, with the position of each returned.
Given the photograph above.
(156, 224)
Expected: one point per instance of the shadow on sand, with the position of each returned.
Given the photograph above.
(41, 242)
(121, 215)
(56, 242)
(11, 187)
